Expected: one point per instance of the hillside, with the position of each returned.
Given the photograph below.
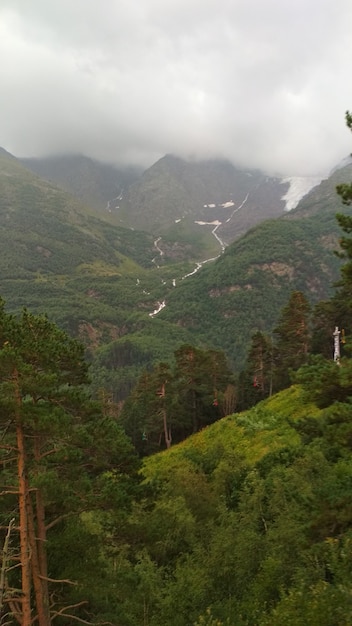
(245, 523)
(106, 283)
(60, 258)
(246, 287)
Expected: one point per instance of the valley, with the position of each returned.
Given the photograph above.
(192, 278)
(165, 427)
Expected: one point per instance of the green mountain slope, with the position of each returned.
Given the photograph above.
(58, 256)
(103, 282)
(96, 280)
(245, 289)
(246, 523)
(180, 202)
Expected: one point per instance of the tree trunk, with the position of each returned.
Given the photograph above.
(194, 411)
(167, 431)
(40, 585)
(23, 518)
(41, 546)
(4, 567)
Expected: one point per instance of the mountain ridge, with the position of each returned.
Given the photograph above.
(172, 190)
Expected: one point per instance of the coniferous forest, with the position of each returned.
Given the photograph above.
(210, 498)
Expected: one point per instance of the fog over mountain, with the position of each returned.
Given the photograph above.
(264, 84)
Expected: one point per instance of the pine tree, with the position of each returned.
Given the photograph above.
(53, 450)
(170, 403)
(256, 381)
(292, 338)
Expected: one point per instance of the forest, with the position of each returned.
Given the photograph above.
(207, 499)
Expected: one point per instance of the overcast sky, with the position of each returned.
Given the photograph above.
(265, 83)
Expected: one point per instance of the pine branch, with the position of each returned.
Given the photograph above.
(57, 520)
(59, 580)
(62, 613)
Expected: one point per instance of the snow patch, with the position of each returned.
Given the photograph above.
(214, 223)
(299, 187)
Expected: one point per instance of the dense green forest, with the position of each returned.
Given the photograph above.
(244, 519)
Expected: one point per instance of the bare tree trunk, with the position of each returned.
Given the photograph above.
(194, 412)
(4, 566)
(167, 431)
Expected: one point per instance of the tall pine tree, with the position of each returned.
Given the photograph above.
(292, 338)
(55, 446)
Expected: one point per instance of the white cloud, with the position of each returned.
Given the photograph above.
(265, 84)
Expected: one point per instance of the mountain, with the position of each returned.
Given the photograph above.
(203, 194)
(246, 287)
(202, 205)
(97, 184)
(96, 280)
(133, 297)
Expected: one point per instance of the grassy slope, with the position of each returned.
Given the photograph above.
(255, 518)
(248, 435)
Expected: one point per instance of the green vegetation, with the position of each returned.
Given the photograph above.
(172, 402)
(246, 522)
(60, 457)
(100, 282)
(245, 289)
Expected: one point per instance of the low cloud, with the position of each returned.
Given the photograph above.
(263, 84)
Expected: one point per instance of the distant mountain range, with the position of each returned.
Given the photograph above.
(174, 196)
(124, 291)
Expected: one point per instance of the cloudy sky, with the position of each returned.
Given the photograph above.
(265, 83)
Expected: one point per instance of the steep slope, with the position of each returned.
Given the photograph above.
(249, 520)
(58, 257)
(207, 191)
(45, 230)
(245, 289)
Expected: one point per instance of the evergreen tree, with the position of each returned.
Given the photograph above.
(170, 403)
(54, 450)
(201, 379)
(292, 338)
(257, 377)
(147, 414)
